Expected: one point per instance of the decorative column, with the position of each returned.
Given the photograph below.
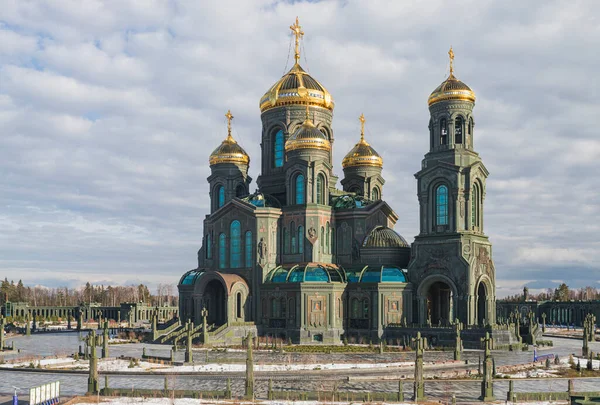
(543, 322)
(249, 387)
(28, 325)
(188, 347)
(2, 325)
(205, 336)
(487, 385)
(93, 376)
(419, 384)
(105, 340)
(458, 345)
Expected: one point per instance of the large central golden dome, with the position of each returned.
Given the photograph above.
(451, 88)
(296, 86)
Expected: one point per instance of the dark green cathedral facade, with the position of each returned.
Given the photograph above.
(303, 259)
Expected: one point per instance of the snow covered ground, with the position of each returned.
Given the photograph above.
(188, 401)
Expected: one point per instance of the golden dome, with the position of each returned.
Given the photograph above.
(307, 137)
(229, 151)
(296, 86)
(451, 88)
(362, 154)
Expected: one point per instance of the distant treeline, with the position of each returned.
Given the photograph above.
(561, 293)
(104, 295)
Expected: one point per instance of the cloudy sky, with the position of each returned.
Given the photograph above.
(109, 110)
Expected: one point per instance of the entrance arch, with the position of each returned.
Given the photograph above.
(215, 301)
(439, 303)
(482, 305)
(437, 296)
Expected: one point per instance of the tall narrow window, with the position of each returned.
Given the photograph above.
(248, 247)
(441, 205)
(475, 206)
(458, 130)
(301, 239)
(332, 240)
(221, 196)
(430, 134)
(300, 189)
(238, 306)
(278, 149)
(375, 194)
(208, 247)
(443, 132)
(235, 245)
(327, 238)
(286, 240)
(222, 255)
(293, 236)
(282, 308)
(320, 189)
(322, 240)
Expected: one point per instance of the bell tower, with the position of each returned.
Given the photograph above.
(451, 263)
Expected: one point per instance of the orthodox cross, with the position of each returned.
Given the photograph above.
(229, 118)
(451, 55)
(362, 127)
(298, 33)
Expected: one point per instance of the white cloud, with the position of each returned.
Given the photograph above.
(109, 110)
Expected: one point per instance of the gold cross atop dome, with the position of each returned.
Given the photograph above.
(451, 55)
(229, 117)
(298, 33)
(362, 126)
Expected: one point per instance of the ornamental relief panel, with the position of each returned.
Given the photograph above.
(316, 311)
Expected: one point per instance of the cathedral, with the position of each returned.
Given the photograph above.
(307, 261)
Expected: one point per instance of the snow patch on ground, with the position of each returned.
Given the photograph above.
(188, 401)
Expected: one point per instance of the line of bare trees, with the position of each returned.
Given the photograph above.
(166, 294)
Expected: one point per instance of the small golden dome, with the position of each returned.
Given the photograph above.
(229, 151)
(307, 137)
(296, 86)
(362, 154)
(451, 88)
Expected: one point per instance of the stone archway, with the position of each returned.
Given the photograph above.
(439, 303)
(482, 309)
(437, 297)
(215, 301)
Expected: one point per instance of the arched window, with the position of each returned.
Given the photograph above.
(301, 239)
(332, 240)
(238, 304)
(475, 206)
(274, 308)
(458, 130)
(320, 189)
(248, 246)
(354, 312)
(443, 132)
(240, 190)
(322, 240)
(278, 149)
(327, 238)
(222, 255)
(235, 245)
(208, 247)
(441, 205)
(300, 189)
(293, 237)
(430, 134)
(365, 308)
(282, 308)
(286, 240)
(375, 194)
(220, 196)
